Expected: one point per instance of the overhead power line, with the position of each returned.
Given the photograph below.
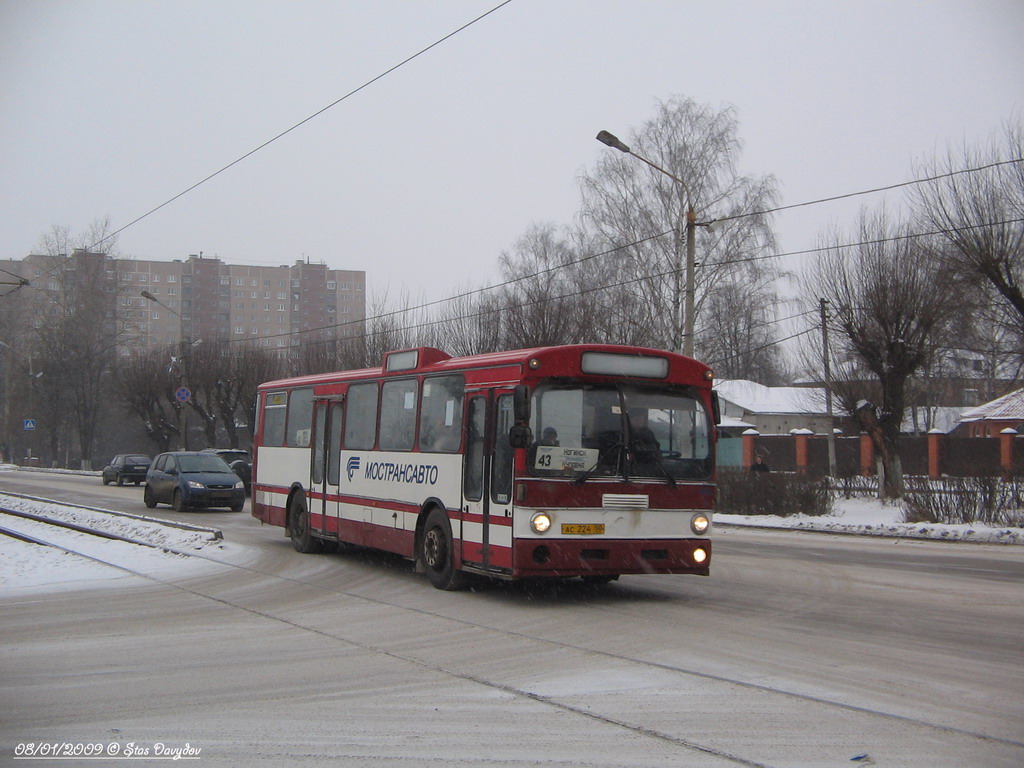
(302, 122)
(887, 188)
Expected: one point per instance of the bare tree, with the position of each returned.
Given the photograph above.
(975, 198)
(538, 300)
(891, 307)
(140, 386)
(641, 213)
(469, 324)
(738, 339)
(250, 368)
(76, 332)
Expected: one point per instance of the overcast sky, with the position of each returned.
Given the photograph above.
(109, 108)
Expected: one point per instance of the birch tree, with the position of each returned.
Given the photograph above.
(641, 214)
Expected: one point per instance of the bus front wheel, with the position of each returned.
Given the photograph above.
(436, 551)
(303, 539)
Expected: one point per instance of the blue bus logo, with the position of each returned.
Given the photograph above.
(352, 466)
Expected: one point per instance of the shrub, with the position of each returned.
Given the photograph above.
(772, 493)
(965, 500)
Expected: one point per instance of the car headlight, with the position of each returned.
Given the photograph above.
(699, 524)
(239, 484)
(195, 485)
(540, 522)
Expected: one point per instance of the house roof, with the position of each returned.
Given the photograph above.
(1007, 407)
(757, 398)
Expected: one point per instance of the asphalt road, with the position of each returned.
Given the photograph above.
(801, 649)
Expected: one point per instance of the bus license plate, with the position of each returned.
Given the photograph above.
(582, 529)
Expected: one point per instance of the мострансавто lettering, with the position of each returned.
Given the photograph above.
(423, 474)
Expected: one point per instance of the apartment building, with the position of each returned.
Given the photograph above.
(159, 303)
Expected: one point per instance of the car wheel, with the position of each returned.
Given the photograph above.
(302, 537)
(179, 502)
(437, 550)
(238, 507)
(148, 497)
(120, 481)
(105, 481)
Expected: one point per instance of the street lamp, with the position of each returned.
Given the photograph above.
(685, 320)
(182, 350)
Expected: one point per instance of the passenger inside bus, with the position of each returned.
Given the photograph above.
(549, 437)
(642, 441)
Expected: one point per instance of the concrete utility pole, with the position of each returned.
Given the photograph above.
(685, 311)
(828, 391)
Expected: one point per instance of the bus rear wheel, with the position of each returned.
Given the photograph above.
(436, 552)
(302, 537)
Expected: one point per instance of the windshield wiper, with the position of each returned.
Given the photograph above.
(615, 449)
(662, 470)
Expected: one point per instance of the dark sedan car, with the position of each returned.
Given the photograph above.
(126, 468)
(239, 462)
(190, 479)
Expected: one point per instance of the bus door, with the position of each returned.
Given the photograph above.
(325, 473)
(487, 481)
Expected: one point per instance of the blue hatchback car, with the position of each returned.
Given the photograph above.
(189, 479)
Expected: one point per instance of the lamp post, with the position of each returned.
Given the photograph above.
(182, 350)
(686, 318)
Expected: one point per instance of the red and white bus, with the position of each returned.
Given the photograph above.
(583, 460)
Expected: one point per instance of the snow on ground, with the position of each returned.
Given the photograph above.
(29, 568)
(871, 517)
(32, 568)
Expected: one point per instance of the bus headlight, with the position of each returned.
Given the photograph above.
(699, 555)
(540, 522)
(699, 524)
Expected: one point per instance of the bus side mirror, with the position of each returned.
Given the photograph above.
(521, 404)
(519, 436)
(716, 408)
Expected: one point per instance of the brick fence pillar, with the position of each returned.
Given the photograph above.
(1006, 438)
(867, 456)
(935, 454)
(800, 438)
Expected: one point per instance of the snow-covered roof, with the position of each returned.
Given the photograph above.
(757, 398)
(943, 418)
(1007, 407)
(730, 422)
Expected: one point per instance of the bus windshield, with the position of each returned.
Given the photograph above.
(619, 430)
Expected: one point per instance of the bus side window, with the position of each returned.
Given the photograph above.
(334, 453)
(473, 475)
(441, 414)
(361, 416)
(274, 412)
(398, 415)
(501, 467)
(300, 418)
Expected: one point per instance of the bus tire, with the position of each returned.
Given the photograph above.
(302, 537)
(437, 552)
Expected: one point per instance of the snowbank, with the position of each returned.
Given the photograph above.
(870, 517)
